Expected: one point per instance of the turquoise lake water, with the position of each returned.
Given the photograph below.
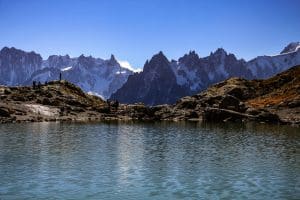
(149, 161)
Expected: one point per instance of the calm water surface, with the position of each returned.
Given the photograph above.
(149, 161)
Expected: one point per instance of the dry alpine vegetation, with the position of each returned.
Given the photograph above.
(275, 100)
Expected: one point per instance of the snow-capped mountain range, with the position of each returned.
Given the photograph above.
(97, 76)
(163, 81)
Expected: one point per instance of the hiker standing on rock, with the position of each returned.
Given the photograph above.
(33, 84)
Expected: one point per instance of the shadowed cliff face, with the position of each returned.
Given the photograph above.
(155, 85)
(16, 65)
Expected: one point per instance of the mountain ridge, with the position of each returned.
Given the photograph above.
(96, 75)
(194, 74)
(154, 85)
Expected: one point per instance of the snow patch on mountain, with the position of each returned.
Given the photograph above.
(66, 68)
(121, 72)
(126, 64)
(95, 94)
(266, 66)
(292, 47)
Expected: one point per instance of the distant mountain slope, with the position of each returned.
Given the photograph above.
(292, 47)
(193, 74)
(17, 65)
(95, 75)
(264, 67)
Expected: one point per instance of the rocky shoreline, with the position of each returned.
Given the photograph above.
(276, 100)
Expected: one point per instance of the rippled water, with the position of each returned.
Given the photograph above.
(149, 161)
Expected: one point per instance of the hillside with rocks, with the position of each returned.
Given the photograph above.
(275, 100)
(54, 101)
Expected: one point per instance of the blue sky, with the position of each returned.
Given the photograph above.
(134, 30)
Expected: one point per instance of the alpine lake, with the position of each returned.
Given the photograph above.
(162, 160)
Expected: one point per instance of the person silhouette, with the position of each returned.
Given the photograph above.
(33, 84)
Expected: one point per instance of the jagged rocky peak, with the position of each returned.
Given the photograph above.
(160, 57)
(4, 49)
(160, 53)
(232, 57)
(18, 56)
(112, 57)
(189, 59)
(190, 55)
(17, 52)
(10, 50)
(58, 57)
(292, 47)
(112, 61)
(157, 63)
(58, 61)
(82, 56)
(86, 60)
(220, 52)
(156, 84)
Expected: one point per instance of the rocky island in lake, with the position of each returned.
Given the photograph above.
(275, 100)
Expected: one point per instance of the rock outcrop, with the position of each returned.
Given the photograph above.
(58, 100)
(275, 100)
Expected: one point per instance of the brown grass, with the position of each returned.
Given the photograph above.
(282, 95)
